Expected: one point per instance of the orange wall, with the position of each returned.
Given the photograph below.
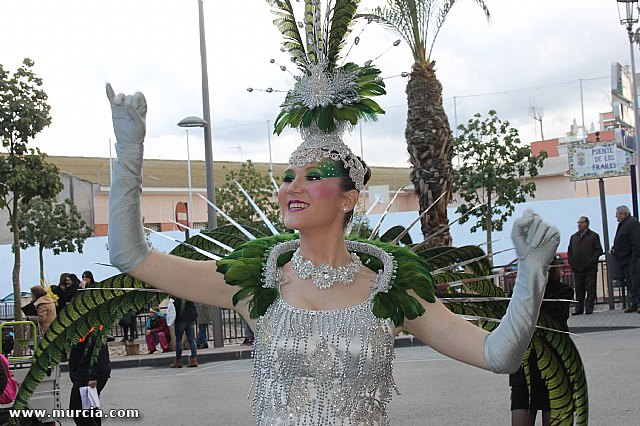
(156, 208)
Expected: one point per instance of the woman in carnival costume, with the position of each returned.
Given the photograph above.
(325, 309)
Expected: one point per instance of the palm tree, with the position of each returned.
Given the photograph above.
(428, 135)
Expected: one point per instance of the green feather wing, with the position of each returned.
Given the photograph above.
(557, 357)
(471, 259)
(90, 308)
(395, 231)
(228, 235)
(563, 372)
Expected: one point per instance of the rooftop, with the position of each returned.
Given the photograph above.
(173, 173)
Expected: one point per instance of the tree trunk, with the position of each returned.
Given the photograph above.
(17, 302)
(40, 256)
(430, 146)
(489, 224)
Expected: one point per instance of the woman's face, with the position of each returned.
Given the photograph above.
(86, 280)
(68, 281)
(311, 196)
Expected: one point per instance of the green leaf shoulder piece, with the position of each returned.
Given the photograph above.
(253, 268)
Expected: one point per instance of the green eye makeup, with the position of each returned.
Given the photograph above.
(321, 171)
(327, 170)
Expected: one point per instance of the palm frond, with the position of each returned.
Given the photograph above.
(442, 14)
(396, 20)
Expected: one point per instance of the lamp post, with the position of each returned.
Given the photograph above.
(206, 115)
(628, 14)
(269, 141)
(208, 160)
(190, 217)
(186, 123)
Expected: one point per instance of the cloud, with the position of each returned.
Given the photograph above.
(529, 52)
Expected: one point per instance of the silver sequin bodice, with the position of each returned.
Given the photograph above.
(323, 367)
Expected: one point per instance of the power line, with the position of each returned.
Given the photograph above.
(505, 92)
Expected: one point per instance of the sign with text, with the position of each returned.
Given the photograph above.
(621, 82)
(597, 160)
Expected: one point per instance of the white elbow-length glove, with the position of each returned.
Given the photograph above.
(536, 243)
(127, 244)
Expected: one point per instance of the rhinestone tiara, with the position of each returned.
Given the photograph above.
(318, 145)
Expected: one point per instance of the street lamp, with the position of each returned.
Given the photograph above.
(188, 122)
(206, 115)
(205, 123)
(628, 14)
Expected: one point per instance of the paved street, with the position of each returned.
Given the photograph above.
(435, 390)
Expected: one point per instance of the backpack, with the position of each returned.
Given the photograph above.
(11, 390)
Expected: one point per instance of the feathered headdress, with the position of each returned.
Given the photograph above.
(326, 98)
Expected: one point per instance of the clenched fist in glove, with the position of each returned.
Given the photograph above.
(127, 244)
(536, 243)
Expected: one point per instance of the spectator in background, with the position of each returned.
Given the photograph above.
(157, 331)
(82, 373)
(249, 337)
(87, 279)
(584, 251)
(204, 318)
(44, 306)
(128, 324)
(60, 290)
(626, 250)
(186, 316)
(73, 285)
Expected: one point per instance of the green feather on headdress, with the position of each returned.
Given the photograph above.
(326, 95)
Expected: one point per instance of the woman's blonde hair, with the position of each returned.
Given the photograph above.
(38, 291)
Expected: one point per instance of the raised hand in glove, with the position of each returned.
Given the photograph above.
(534, 240)
(129, 116)
(127, 244)
(536, 243)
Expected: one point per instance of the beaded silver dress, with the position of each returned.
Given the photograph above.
(331, 367)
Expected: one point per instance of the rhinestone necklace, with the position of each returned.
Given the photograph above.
(324, 276)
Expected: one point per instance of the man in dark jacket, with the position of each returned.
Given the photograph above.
(82, 373)
(584, 251)
(186, 316)
(626, 249)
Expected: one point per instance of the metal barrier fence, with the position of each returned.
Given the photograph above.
(602, 288)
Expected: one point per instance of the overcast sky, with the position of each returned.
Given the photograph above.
(531, 53)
